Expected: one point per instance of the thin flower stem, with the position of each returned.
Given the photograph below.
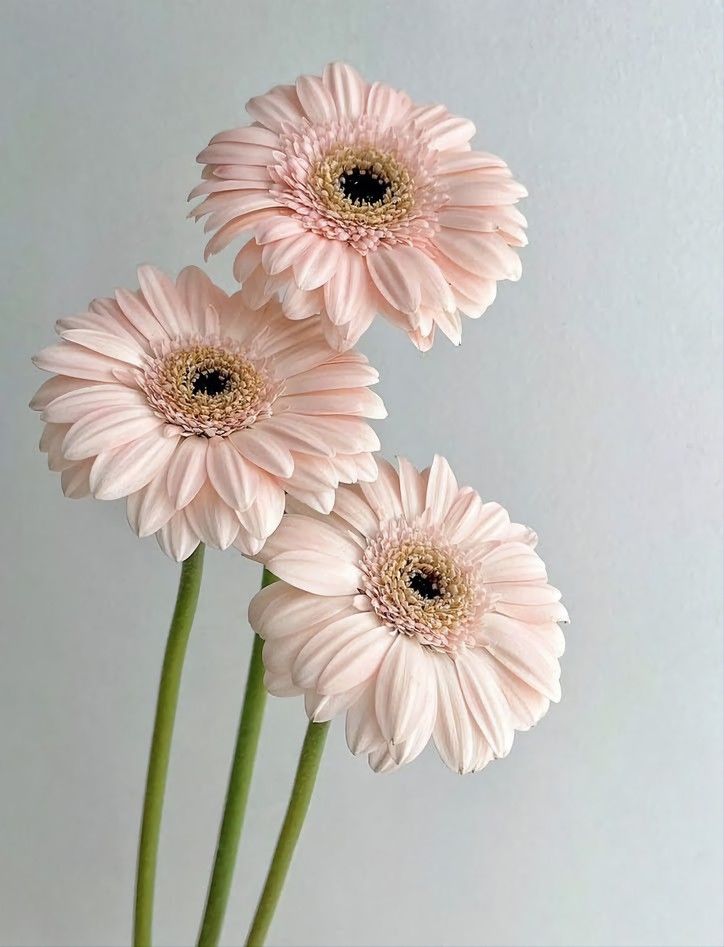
(304, 781)
(237, 794)
(178, 636)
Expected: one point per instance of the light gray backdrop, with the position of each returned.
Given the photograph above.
(588, 401)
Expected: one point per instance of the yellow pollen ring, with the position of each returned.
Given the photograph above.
(398, 197)
(175, 387)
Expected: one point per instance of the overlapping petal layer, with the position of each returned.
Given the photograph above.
(418, 610)
(203, 413)
(360, 202)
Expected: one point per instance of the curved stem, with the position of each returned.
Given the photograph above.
(304, 781)
(237, 794)
(178, 636)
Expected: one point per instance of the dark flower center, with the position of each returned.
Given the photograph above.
(426, 584)
(364, 186)
(212, 382)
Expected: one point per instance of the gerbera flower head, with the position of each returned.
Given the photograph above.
(420, 611)
(360, 202)
(203, 413)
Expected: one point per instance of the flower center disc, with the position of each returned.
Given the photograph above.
(362, 186)
(426, 584)
(421, 586)
(211, 382)
(209, 390)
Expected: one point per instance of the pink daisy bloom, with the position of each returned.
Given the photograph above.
(203, 413)
(420, 611)
(361, 202)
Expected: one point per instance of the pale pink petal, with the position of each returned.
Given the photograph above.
(280, 610)
(74, 480)
(405, 685)
(352, 506)
(356, 662)
(523, 651)
(75, 404)
(316, 100)
(187, 470)
(302, 532)
(410, 748)
(316, 572)
(348, 89)
(247, 260)
(450, 324)
(382, 761)
(298, 433)
(106, 344)
(485, 700)
(354, 401)
(362, 729)
(140, 316)
(527, 705)
(366, 467)
(455, 162)
(164, 300)
(343, 337)
(281, 685)
(321, 707)
(123, 470)
(266, 451)
(467, 218)
(51, 443)
(265, 513)
(340, 432)
(55, 388)
(276, 228)
(412, 489)
(213, 520)
(298, 303)
(233, 477)
(442, 489)
(391, 276)
(280, 255)
(198, 292)
(486, 254)
(315, 475)
(454, 730)
(535, 604)
(150, 508)
(386, 104)
(318, 264)
(66, 358)
(344, 292)
(328, 641)
(276, 107)
(512, 562)
(246, 544)
(446, 131)
(108, 427)
(384, 494)
(177, 539)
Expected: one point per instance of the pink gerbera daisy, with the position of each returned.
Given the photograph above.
(203, 413)
(419, 610)
(359, 202)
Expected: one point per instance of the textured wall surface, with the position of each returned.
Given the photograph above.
(588, 401)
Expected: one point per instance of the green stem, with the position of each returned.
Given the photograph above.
(237, 794)
(301, 795)
(173, 659)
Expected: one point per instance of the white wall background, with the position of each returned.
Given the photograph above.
(588, 401)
